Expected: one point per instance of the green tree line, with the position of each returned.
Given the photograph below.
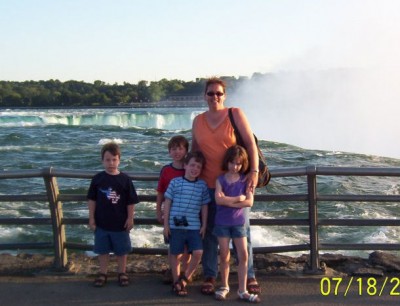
(54, 93)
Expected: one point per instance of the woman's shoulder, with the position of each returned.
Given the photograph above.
(196, 119)
(237, 112)
(199, 116)
(240, 119)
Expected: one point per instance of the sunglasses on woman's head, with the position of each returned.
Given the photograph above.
(218, 94)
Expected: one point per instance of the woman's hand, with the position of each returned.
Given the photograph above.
(251, 179)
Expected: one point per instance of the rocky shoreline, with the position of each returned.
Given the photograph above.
(378, 264)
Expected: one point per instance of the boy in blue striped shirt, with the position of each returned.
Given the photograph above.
(186, 197)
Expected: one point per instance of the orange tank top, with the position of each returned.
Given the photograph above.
(213, 144)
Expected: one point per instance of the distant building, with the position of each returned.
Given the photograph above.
(183, 101)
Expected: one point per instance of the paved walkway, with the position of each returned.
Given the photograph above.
(146, 289)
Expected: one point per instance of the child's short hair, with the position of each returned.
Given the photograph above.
(233, 152)
(198, 157)
(111, 147)
(177, 141)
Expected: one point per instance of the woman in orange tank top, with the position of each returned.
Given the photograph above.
(212, 134)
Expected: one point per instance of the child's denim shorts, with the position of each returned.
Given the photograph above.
(106, 242)
(181, 237)
(231, 231)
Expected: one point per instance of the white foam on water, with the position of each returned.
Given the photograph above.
(167, 119)
(263, 236)
(149, 236)
(9, 233)
(103, 141)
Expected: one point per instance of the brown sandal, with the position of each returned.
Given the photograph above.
(123, 279)
(187, 280)
(179, 288)
(252, 286)
(208, 286)
(100, 280)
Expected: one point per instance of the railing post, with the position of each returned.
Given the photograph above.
(55, 206)
(313, 218)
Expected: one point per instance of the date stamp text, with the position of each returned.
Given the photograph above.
(363, 286)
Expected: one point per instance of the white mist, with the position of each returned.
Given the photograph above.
(354, 110)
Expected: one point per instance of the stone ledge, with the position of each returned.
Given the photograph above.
(378, 264)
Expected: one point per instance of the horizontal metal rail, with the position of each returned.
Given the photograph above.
(60, 245)
(26, 246)
(359, 246)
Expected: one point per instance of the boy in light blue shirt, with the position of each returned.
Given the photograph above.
(186, 197)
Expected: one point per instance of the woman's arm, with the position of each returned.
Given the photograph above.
(251, 147)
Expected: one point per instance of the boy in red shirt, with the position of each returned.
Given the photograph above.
(178, 146)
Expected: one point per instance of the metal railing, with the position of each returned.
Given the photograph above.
(60, 244)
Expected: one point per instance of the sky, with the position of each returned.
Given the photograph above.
(306, 44)
(129, 40)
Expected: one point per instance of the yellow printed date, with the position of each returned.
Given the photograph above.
(370, 286)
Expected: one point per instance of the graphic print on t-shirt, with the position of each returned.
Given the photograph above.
(111, 195)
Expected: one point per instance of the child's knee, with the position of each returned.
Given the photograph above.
(224, 257)
(197, 253)
(243, 256)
